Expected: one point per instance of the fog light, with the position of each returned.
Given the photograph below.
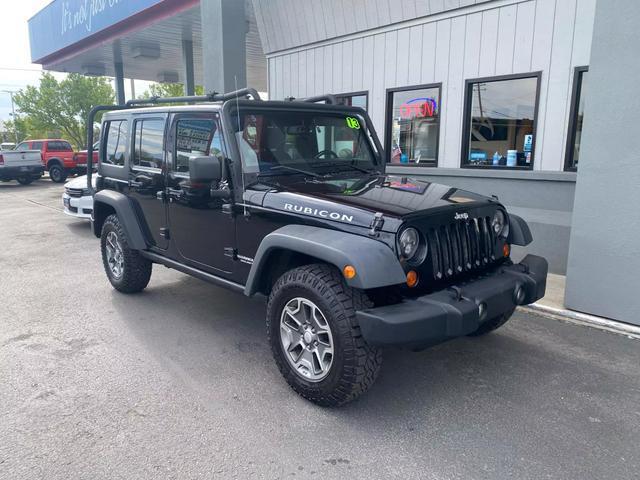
(519, 295)
(412, 278)
(482, 311)
(506, 250)
(349, 272)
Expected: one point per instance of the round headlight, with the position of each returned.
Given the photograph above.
(409, 242)
(499, 224)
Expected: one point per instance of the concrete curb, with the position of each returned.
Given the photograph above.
(584, 319)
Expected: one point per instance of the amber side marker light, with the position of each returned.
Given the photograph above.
(349, 272)
(412, 278)
(506, 250)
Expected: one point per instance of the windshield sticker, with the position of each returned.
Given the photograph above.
(353, 123)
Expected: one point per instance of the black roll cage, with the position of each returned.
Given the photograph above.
(243, 93)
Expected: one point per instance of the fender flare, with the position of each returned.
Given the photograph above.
(126, 214)
(519, 233)
(53, 161)
(375, 263)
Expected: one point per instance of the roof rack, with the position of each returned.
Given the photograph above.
(327, 97)
(138, 103)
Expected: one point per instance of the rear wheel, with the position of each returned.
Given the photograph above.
(127, 270)
(57, 173)
(315, 337)
(25, 180)
(492, 324)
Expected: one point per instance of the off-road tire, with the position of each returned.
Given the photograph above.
(355, 364)
(25, 180)
(137, 269)
(492, 324)
(57, 173)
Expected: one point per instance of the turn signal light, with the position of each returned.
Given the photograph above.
(506, 250)
(349, 272)
(412, 278)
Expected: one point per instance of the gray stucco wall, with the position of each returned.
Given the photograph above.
(604, 257)
(543, 199)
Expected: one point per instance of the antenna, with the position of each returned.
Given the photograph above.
(244, 203)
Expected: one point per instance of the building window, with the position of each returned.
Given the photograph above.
(355, 99)
(500, 122)
(413, 125)
(148, 143)
(576, 118)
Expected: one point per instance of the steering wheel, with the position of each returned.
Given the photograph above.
(331, 154)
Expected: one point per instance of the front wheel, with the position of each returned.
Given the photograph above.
(127, 270)
(57, 173)
(315, 337)
(25, 180)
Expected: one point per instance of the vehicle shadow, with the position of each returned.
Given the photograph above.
(81, 227)
(209, 332)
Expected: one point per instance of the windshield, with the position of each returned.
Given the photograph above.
(303, 143)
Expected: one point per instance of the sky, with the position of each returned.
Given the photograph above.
(16, 69)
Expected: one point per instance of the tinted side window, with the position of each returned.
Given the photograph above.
(57, 146)
(148, 142)
(196, 137)
(117, 133)
(36, 146)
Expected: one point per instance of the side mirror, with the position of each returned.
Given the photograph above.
(205, 169)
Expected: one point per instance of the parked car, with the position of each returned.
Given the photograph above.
(57, 157)
(294, 203)
(77, 199)
(24, 166)
(81, 157)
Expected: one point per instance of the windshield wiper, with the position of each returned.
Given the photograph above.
(292, 169)
(350, 165)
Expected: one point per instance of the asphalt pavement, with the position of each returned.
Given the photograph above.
(178, 382)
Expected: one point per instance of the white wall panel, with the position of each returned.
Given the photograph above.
(481, 40)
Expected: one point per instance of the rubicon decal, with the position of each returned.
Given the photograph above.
(316, 212)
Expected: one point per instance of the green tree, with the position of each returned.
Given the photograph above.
(169, 90)
(63, 105)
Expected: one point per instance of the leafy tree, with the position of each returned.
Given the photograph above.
(63, 105)
(169, 90)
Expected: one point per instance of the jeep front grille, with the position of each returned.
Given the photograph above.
(460, 247)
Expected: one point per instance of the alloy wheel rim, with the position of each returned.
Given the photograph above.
(115, 257)
(306, 339)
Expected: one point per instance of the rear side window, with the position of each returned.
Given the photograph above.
(58, 146)
(148, 142)
(36, 146)
(117, 134)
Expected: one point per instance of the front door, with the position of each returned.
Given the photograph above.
(202, 229)
(147, 176)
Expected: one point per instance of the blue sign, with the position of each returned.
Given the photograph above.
(65, 22)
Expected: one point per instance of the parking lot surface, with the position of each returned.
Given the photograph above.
(178, 382)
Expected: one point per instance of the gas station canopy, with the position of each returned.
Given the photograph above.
(155, 40)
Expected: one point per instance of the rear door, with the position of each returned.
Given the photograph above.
(202, 227)
(147, 175)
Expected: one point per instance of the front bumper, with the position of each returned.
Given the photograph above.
(454, 312)
(79, 207)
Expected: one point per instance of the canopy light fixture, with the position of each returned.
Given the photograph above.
(94, 70)
(145, 52)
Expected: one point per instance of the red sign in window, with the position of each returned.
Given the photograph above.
(419, 107)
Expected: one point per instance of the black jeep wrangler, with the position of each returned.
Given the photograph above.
(289, 199)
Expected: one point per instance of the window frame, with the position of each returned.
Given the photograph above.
(576, 95)
(172, 156)
(105, 141)
(466, 119)
(388, 118)
(361, 93)
(142, 119)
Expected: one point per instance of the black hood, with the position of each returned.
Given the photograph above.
(356, 202)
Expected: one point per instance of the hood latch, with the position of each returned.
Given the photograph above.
(376, 224)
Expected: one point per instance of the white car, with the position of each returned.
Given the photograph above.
(77, 198)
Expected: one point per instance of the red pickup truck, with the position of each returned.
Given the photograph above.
(58, 157)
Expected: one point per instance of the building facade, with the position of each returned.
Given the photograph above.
(476, 94)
